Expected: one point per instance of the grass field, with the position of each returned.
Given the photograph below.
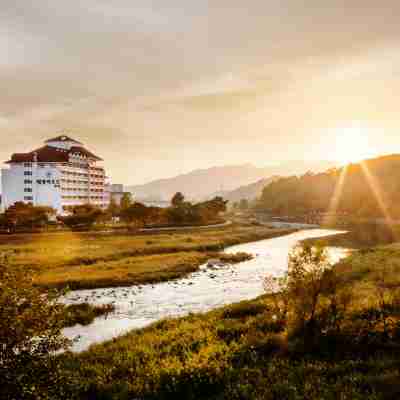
(88, 260)
(242, 352)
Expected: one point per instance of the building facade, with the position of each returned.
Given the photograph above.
(61, 174)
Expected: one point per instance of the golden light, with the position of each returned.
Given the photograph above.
(376, 190)
(351, 144)
(333, 206)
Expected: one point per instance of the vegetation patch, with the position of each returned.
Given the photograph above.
(94, 259)
(84, 313)
(124, 272)
(235, 258)
(361, 236)
(323, 336)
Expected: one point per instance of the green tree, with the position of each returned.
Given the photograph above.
(25, 215)
(244, 204)
(31, 320)
(181, 215)
(185, 213)
(113, 208)
(309, 275)
(306, 268)
(126, 200)
(83, 216)
(368, 190)
(137, 213)
(178, 199)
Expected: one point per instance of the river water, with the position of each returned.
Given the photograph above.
(208, 288)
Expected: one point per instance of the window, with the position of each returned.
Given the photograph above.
(28, 198)
(28, 165)
(28, 190)
(27, 181)
(27, 173)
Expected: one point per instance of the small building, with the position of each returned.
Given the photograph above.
(61, 174)
(117, 192)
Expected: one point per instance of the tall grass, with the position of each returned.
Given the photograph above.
(248, 351)
(89, 260)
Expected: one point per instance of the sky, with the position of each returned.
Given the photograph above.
(159, 88)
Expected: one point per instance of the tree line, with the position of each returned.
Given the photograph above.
(368, 190)
(25, 216)
(180, 213)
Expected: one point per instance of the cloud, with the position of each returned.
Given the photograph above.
(151, 75)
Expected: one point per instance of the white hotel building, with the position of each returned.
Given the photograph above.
(61, 174)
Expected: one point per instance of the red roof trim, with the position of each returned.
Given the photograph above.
(51, 154)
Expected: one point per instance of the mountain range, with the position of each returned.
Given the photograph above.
(251, 191)
(231, 181)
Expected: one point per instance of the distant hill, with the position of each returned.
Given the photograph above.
(368, 189)
(202, 183)
(248, 192)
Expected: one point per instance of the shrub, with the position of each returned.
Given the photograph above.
(230, 330)
(244, 310)
(84, 313)
(30, 334)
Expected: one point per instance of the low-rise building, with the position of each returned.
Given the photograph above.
(116, 193)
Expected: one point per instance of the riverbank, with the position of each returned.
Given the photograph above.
(362, 236)
(212, 286)
(243, 351)
(96, 260)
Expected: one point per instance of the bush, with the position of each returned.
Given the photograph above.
(30, 334)
(25, 216)
(244, 310)
(84, 313)
(84, 217)
(230, 330)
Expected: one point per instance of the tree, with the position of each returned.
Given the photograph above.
(301, 288)
(113, 208)
(136, 213)
(313, 193)
(214, 207)
(26, 215)
(178, 199)
(126, 200)
(31, 320)
(306, 268)
(201, 213)
(244, 204)
(180, 215)
(3, 221)
(83, 216)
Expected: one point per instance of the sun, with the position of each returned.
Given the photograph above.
(351, 144)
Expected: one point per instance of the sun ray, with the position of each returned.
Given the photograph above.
(377, 191)
(330, 218)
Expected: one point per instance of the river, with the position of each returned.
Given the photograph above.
(208, 288)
